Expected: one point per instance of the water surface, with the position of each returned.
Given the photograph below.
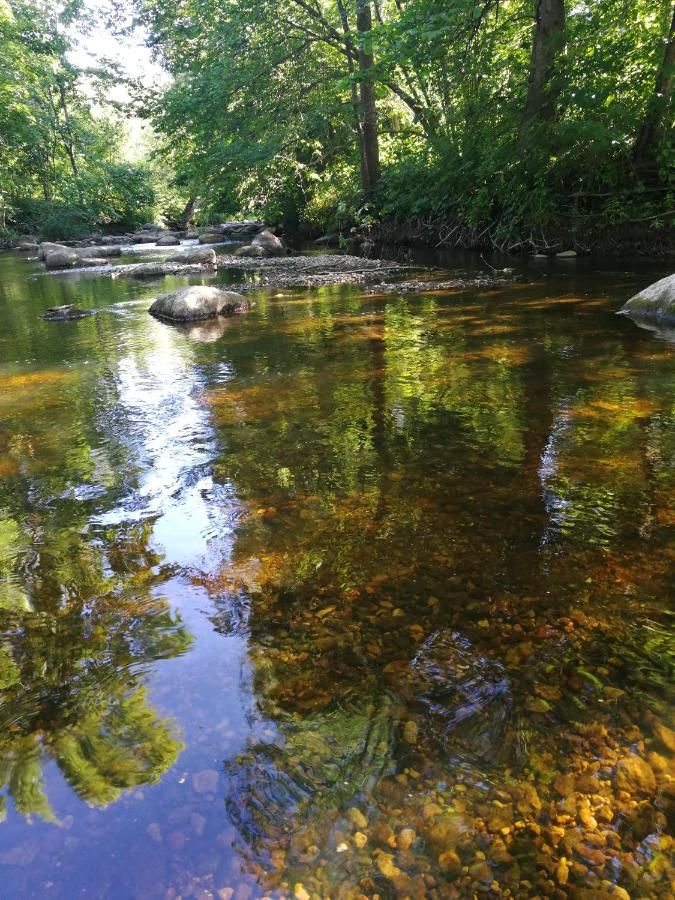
(355, 595)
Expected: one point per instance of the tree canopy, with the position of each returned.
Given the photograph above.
(62, 169)
(478, 119)
(507, 115)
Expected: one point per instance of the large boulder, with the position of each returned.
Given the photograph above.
(168, 240)
(62, 258)
(47, 247)
(71, 259)
(204, 255)
(240, 229)
(98, 252)
(192, 304)
(270, 243)
(655, 303)
(211, 238)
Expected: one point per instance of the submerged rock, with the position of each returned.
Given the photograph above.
(211, 238)
(205, 782)
(467, 694)
(191, 304)
(656, 302)
(635, 776)
(66, 313)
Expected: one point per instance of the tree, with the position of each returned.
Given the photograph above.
(656, 117)
(547, 44)
(371, 150)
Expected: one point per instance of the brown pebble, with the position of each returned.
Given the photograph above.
(635, 776)
(176, 841)
(406, 838)
(205, 782)
(590, 855)
(357, 819)
(449, 860)
(562, 872)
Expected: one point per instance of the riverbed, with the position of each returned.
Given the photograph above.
(360, 594)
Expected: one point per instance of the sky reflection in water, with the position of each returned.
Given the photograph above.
(337, 595)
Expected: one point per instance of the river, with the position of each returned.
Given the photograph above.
(355, 595)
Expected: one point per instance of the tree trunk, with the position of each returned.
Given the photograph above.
(68, 140)
(652, 126)
(548, 41)
(364, 24)
(356, 104)
(185, 217)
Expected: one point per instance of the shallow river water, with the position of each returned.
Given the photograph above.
(353, 596)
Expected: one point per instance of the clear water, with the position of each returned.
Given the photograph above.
(355, 595)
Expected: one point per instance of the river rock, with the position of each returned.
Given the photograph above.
(47, 247)
(62, 259)
(252, 250)
(205, 782)
(66, 313)
(168, 240)
(26, 244)
(467, 695)
(241, 229)
(190, 304)
(270, 243)
(21, 855)
(98, 252)
(567, 254)
(211, 238)
(656, 302)
(664, 734)
(635, 776)
(194, 255)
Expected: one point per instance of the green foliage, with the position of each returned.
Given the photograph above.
(260, 113)
(60, 140)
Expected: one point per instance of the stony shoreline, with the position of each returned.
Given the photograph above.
(377, 275)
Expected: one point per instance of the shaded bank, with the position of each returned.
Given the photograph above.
(601, 241)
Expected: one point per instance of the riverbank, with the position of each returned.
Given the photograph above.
(633, 239)
(428, 233)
